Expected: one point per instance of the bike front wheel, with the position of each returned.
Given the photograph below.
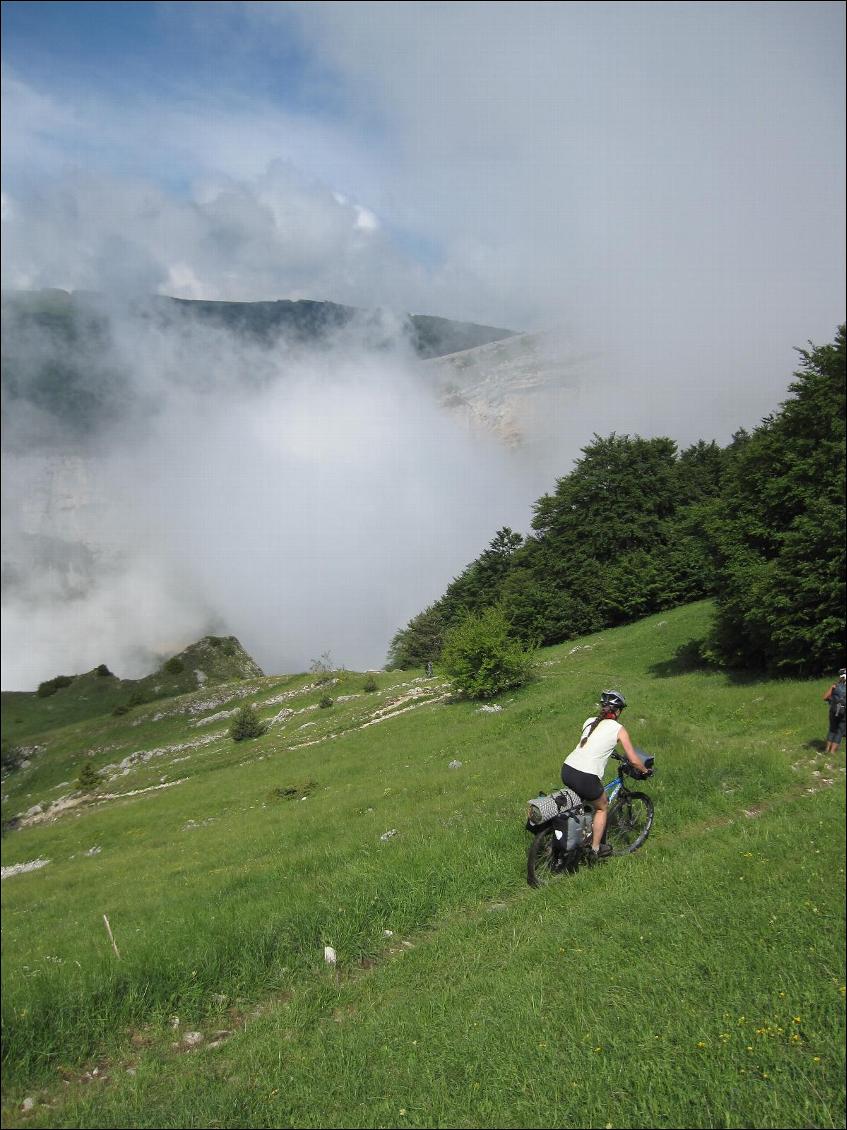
(629, 822)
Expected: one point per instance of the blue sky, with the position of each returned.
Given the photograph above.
(124, 54)
(81, 33)
(175, 44)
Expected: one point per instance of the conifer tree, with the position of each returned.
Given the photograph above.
(779, 529)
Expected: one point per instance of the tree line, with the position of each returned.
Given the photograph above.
(639, 526)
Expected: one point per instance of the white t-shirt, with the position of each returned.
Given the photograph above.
(594, 755)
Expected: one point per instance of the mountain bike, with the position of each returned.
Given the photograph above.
(561, 824)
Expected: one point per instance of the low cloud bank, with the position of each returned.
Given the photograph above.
(304, 501)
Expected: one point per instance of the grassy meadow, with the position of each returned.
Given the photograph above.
(699, 983)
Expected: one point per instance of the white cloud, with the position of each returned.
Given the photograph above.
(181, 282)
(279, 235)
(554, 160)
(365, 219)
(664, 183)
(302, 503)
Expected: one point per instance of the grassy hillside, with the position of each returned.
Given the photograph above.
(699, 983)
(206, 663)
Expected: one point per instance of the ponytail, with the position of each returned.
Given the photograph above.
(601, 717)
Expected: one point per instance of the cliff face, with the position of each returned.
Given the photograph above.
(517, 389)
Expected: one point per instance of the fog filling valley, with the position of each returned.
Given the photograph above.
(304, 501)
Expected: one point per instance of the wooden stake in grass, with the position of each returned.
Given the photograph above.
(111, 937)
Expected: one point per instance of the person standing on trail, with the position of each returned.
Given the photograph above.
(836, 696)
(585, 767)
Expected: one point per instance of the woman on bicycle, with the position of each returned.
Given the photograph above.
(584, 769)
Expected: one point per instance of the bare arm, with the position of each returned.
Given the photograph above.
(628, 748)
(828, 694)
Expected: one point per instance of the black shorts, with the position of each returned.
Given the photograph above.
(586, 785)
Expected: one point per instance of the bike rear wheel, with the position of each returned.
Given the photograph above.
(629, 822)
(543, 861)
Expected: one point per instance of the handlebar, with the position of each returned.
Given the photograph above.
(628, 770)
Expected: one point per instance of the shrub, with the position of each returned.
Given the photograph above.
(247, 724)
(482, 656)
(103, 671)
(89, 778)
(370, 685)
(53, 685)
(293, 792)
(323, 669)
(325, 702)
(174, 666)
(120, 709)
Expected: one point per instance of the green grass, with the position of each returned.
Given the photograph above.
(28, 716)
(488, 1002)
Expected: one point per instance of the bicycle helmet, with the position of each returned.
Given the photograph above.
(612, 700)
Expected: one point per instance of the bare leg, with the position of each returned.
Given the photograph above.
(601, 809)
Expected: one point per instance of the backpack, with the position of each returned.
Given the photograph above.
(837, 702)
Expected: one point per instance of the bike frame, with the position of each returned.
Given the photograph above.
(615, 787)
(612, 789)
